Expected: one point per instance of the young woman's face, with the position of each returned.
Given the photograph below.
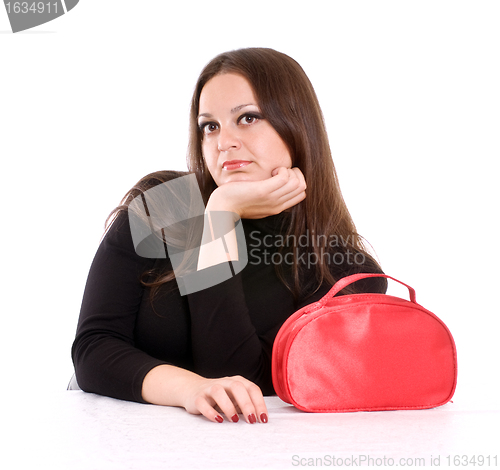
(238, 143)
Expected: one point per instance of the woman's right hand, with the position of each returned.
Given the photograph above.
(227, 395)
(259, 199)
(173, 386)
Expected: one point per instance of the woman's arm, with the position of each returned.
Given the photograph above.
(173, 386)
(223, 336)
(245, 200)
(223, 339)
(104, 354)
(107, 361)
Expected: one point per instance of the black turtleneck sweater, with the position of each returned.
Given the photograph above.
(227, 329)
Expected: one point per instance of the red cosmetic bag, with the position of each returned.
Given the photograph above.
(364, 352)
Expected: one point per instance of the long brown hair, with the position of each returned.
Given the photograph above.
(288, 101)
(151, 278)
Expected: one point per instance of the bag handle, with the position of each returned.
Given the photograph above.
(345, 281)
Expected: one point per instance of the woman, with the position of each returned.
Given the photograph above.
(256, 138)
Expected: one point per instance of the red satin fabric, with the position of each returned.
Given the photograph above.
(364, 352)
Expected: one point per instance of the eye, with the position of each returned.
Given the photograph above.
(208, 127)
(248, 119)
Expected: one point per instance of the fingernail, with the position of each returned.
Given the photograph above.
(219, 419)
(263, 417)
(235, 418)
(252, 418)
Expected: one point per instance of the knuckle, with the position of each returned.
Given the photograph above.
(281, 178)
(236, 385)
(277, 209)
(260, 192)
(253, 388)
(215, 389)
(199, 401)
(285, 178)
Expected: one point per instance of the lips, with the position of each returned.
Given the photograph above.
(235, 164)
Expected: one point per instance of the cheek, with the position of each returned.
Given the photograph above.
(281, 155)
(287, 159)
(276, 150)
(208, 154)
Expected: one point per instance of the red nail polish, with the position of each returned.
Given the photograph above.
(252, 418)
(235, 418)
(263, 417)
(219, 419)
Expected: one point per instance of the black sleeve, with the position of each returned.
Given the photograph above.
(105, 358)
(224, 339)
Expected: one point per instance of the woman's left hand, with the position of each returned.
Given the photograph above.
(259, 199)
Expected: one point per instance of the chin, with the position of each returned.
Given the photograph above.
(238, 177)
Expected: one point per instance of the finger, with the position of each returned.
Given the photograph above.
(297, 185)
(277, 170)
(280, 177)
(263, 189)
(260, 405)
(250, 400)
(300, 176)
(240, 394)
(292, 198)
(295, 200)
(217, 407)
(291, 194)
(297, 178)
(218, 393)
(294, 185)
(282, 180)
(208, 410)
(290, 202)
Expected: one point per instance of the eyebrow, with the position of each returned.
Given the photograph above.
(234, 110)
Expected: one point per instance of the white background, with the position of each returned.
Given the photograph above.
(93, 101)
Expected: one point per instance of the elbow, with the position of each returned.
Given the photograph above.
(81, 379)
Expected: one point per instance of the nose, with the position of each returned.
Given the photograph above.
(228, 140)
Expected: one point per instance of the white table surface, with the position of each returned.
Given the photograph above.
(78, 430)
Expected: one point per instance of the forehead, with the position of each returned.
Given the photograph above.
(224, 91)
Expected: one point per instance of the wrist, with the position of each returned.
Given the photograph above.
(218, 203)
(166, 385)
